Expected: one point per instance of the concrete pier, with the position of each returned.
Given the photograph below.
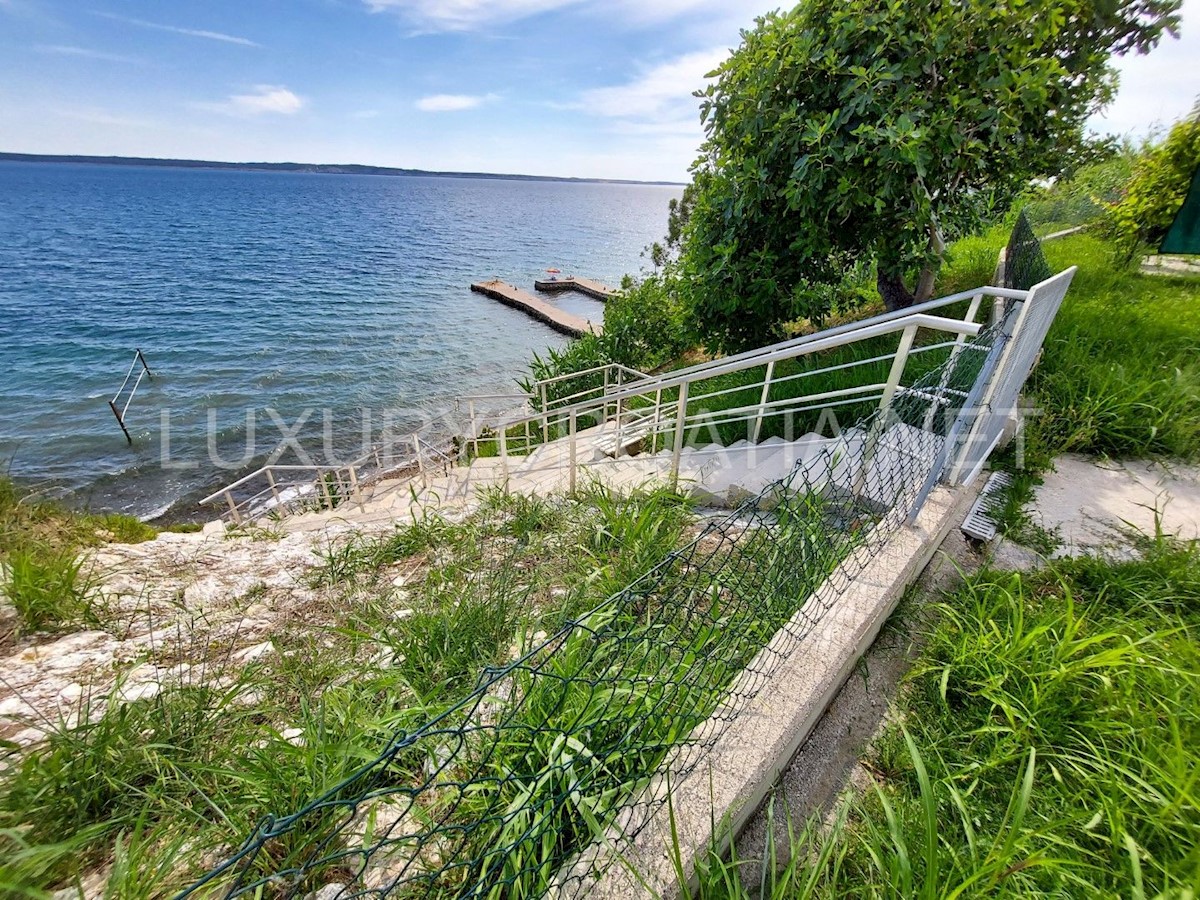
(588, 286)
(556, 318)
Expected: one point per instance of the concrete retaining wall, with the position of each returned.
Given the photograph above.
(722, 788)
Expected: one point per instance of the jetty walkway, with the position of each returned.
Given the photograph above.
(556, 318)
(591, 288)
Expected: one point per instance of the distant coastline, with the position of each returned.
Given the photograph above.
(311, 168)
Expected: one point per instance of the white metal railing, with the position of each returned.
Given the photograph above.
(546, 396)
(625, 407)
(281, 489)
(112, 404)
(676, 404)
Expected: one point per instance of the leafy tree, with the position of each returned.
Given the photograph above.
(847, 129)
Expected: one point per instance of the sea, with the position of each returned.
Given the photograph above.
(281, 315)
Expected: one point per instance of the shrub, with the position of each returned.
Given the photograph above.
(1156, 190)
(1084, 197)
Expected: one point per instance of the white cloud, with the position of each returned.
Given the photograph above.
(264, 99)
(453, 102)
(190, 32)
(471, 15)
(83, 53)
(465, 15)
(662, 92)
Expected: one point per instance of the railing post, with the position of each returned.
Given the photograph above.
(545, 416)
(502, 441)
(680, 428)
(325, 489)
(620, 409)
(606, 381)
(762, 403)
(356, 489)
(948, 368)
(899, 362)
(657, 418)
(416, 442)
(474, 429)
(237, 516)
(572, 428)
(271, 481)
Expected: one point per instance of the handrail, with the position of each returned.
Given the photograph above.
(949, 300)
(875, 327)
(634, 421)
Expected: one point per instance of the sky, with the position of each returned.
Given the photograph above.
(588, 88)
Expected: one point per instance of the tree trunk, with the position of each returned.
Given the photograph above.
(891, 288)
(937, 246)
(925, 284)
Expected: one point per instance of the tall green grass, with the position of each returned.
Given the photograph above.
(1048, 745)
(41, 572)
(163, 787)
(1120, 372)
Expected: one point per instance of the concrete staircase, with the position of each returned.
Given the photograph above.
(880, 468)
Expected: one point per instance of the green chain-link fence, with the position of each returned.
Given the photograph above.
(1024, 262)
(494, 797)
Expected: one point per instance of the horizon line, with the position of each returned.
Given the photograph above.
(312, 168)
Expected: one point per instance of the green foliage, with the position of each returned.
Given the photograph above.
(1082, 198)
(48, 589)
(1156, 189)
(849, 130)
(645, 326)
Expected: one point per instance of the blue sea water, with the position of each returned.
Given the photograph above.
(258, 296)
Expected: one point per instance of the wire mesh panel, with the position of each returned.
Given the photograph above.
(495, 796)
(1024, 262)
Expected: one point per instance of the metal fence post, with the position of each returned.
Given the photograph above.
(572, 427)
(680, 428)
(762, 403)
(271, 481)
(545, 416)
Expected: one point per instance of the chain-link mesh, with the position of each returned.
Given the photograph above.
(1024, 262)
(496, 796)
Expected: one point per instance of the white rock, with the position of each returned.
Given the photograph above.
(249, 654)
(293, 736)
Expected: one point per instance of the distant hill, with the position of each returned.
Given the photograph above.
(314, 168)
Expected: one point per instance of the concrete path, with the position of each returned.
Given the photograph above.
(1093, 505)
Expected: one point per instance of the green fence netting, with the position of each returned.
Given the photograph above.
(1024, 262)
(494, 797)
